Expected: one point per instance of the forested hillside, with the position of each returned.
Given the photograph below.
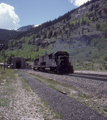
(82, 32)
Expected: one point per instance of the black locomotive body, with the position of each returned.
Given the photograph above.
(57, 62)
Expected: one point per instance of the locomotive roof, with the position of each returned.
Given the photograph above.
(61, 52)
(54, 53)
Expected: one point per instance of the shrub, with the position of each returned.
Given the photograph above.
(106, 67)
(105, 58)
(97, 26)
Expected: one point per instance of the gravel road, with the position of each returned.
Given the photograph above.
(70, 108)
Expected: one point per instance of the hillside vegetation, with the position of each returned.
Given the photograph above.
(82, 32)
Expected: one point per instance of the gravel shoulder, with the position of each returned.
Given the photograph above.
(91, 72)
(70, 108)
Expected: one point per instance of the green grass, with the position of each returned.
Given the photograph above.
(5, 80)
(4, 102)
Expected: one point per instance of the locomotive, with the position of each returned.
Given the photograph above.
(57, 62)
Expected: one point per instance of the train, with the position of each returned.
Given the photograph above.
(56, 62)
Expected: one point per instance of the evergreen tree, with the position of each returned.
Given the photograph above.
(98, 26)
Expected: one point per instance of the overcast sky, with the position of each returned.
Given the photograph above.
(18, 13)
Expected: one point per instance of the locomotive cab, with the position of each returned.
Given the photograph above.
(62, 62)
(62, 58)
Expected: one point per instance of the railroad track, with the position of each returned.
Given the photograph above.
(90, 76)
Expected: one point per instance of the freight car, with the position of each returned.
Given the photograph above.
(57, 62)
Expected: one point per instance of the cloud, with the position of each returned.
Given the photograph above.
(8, 18)
(78, 2)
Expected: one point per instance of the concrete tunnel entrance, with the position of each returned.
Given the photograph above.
(18, 65)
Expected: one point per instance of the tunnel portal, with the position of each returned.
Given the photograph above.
(18, 65)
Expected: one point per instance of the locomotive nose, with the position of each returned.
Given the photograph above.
(62, 63)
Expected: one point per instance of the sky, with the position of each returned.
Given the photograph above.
(18, 13)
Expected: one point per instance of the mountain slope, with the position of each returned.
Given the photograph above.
(82, 32)
(26, 28)
(7, 34)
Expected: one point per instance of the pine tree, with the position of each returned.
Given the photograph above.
(98, 26)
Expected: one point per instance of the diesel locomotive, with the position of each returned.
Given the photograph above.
(57, 62)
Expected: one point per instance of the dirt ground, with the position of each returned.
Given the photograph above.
(19, 102)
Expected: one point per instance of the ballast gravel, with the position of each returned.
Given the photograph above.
(90, 87)
(70, 108)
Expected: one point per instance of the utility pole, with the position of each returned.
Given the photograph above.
(3, 54)
(1, 44)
